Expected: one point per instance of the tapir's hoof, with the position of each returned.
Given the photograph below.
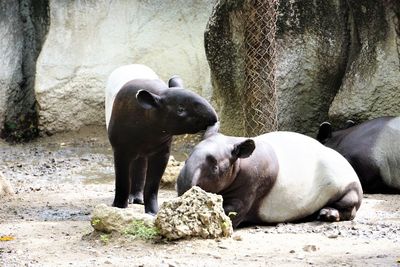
(329, 215)
(120, 204)
(135, 200)
(151, 209)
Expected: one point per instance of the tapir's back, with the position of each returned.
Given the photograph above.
(119, 77)
(310, 175)
(386, 152)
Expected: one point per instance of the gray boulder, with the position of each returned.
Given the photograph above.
(23, 31)
(195, 214)
(311, 39)
(371, 85)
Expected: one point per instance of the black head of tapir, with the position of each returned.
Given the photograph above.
(178, 111)
(372, 148)
(143, 114)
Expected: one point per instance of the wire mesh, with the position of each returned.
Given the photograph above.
(259, 95)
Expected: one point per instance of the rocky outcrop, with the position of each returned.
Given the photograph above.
(322, 47)
(88, 39)
(56, 56)
(24, 26)
(371, 86)
(312, 38)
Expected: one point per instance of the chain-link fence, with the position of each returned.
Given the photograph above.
(259, 94)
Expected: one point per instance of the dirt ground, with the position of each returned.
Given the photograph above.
(60, 179)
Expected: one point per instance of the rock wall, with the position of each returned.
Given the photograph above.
(88, 39)
(23, 27)
(371, 86)
(312, 38)
(337, 60)
(324, 47)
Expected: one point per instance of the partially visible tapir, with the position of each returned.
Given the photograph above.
(372, 148)
(272, 178)
(142, 115)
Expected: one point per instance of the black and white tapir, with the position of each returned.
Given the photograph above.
(142, 115)
(272, 178)
(372, 148)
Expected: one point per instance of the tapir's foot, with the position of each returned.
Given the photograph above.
(136, 199)
(345, 208)
(120, 204)
(329, 215)
(151, 208)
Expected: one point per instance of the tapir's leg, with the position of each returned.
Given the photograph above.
(122, 182)
(345, 208)
(137, 173)
(155, 169)
(236, 210)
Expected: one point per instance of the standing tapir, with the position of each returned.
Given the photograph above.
(272, 178)
(372, 148)
(142, 115)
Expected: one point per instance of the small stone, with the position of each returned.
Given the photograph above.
(309, 248)
(237, 238)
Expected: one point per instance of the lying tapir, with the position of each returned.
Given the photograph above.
(142, 115)
(272, 178)
(372, 148)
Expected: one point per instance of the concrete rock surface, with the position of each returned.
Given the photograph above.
(370, 87)
(87, 40)
(195, 214)
(23, 27)
(335, 60)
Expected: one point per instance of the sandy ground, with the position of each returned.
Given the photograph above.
(60, 179)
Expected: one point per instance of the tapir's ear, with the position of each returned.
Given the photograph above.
(175, 81)
(349, 123)
(243, 149)
(211, 130)
(325, 132)
(147, 100)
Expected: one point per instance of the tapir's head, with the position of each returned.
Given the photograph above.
(179, 110)
(213, 163)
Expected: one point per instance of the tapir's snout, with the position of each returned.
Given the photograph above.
(210, 121)
(210, 118)
(183, 184)
(188, 177)
(213, 119)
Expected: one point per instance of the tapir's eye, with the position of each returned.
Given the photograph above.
(214, 169)
(212, 163)
(180, 110)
